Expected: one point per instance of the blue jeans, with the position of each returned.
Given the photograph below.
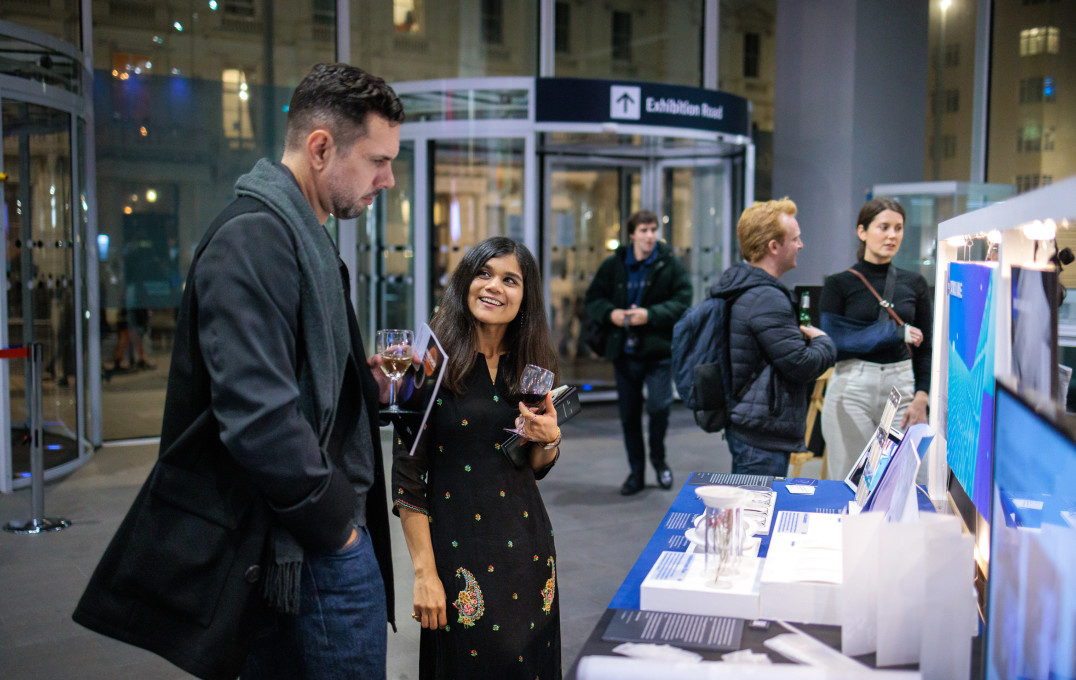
(631, 375)
(751, 460)
(340, 630)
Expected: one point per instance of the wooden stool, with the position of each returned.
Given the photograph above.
(814, 409)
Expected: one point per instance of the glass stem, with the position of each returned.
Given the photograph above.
(392, 392)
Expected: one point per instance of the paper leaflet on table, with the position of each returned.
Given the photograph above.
(419, 387)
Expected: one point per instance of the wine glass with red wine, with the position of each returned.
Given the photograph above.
(534, 384)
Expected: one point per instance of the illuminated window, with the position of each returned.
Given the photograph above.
(1029, 139)
(126, 64)
(1039, 40)
(235, 110)
(407, 15)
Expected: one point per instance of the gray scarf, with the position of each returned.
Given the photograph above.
(326, 343)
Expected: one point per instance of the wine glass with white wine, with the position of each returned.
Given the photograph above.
(394, 346)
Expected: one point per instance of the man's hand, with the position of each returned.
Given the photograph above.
(811, 332)
(383, 383)
(639, 316)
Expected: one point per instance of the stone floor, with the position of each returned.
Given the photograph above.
(599, 535)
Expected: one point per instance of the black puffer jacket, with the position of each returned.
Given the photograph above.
(763, 331)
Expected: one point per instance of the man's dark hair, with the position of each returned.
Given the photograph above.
(640, 217)
(338, 97)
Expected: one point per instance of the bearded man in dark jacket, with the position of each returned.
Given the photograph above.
(638, 295)
(259, 545)
(773, 358)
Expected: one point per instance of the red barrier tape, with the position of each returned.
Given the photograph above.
(15, 353)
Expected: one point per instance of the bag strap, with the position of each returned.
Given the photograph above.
(885, 304)
(890, 288)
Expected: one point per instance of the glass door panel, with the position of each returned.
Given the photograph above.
(696, 220)
(585, 211)
(394, 267)
(477, 193)
(40, 281)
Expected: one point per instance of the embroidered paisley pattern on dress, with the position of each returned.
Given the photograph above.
(469, 602)
(550, 587)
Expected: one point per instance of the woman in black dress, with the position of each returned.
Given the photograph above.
(480, 539)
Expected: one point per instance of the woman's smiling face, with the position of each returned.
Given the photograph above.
(496, 291)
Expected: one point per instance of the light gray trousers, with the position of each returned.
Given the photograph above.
(855, 398)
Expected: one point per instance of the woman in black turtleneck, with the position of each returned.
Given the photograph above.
(866, 370)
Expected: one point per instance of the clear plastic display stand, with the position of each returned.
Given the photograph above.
(37, 523)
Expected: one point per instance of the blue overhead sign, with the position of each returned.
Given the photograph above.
(582, 100)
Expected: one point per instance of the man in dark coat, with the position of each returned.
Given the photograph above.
(260, 542)
(638, 294)
(773, 358)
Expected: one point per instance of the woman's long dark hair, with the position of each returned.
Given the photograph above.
(870, 210)
(527, 336)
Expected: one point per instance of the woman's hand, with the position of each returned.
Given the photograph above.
(917, 410)
(912, 335)
(430, 607)
(539, 427)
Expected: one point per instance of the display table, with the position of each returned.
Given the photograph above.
(829, 497)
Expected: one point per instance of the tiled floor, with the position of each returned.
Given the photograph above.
(599, 534)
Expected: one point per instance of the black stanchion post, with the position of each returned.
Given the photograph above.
(38, 523)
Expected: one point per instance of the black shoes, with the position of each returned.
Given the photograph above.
(665, 477)
(632, 485)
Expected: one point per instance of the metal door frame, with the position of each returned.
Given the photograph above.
(16, 90)
(551, 161)
(726, 165)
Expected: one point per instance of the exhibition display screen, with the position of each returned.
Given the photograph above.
(972, 289)
(1031, 606)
